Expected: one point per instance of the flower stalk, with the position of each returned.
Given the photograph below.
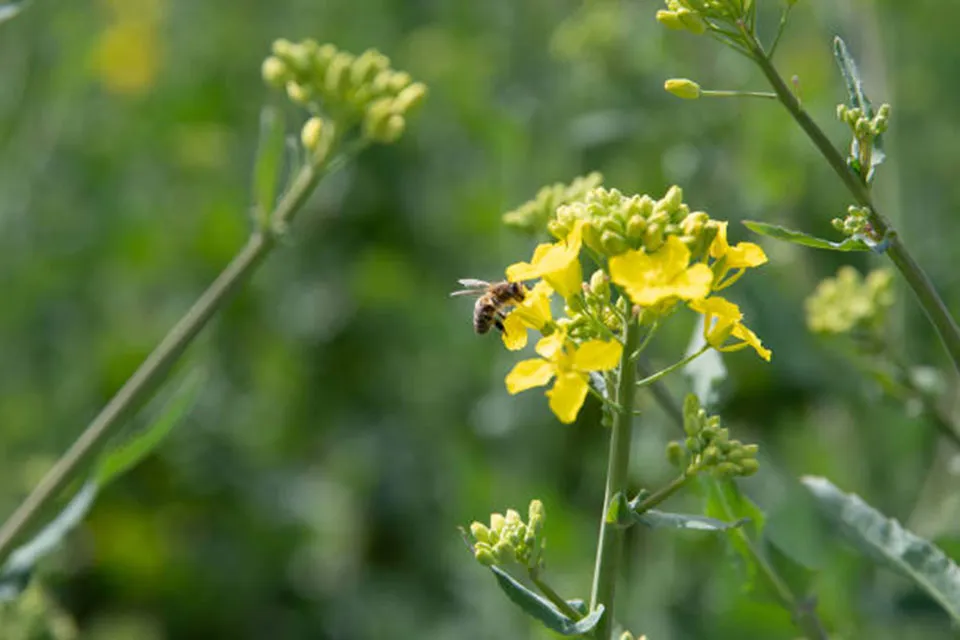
(610, 543)
(918, 281)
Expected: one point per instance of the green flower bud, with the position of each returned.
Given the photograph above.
(557, 229)
(711, 454)
(367, 65)
(676, 454)
(626, 635)
(749, 466)
(693, 445)
(299, 93)
(670, 20)
(323, 57)
(513, 517)
(485, 555)
(691, 21)
(591, 236)
(504, 550)
(410, 97)
(842, 112)
(316, 139)
(275, 72)
(613, 243)
(722, 470)
(682, 88)
(497, 522)
(636, 226)
(480, 532)
(337, 77)
(750, 450)
(653, 238)
(672, 199)
(600, 284)
(884, 111)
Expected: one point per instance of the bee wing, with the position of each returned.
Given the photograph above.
(473, 283)
(468, 292)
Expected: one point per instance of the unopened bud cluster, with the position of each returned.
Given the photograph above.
(616, 223)
(864, 128)
(508, 539)
(532, 216)
(855, 223)
(351, 89)
(583, 313)
(708, 446)
(850, 301)
(692, 15)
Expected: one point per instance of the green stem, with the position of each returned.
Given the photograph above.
(676, 365)
(662, 494)
(602, 398)
(917, 280)
(554, 597)
(718, 93)
(610, 543)
(145, 380)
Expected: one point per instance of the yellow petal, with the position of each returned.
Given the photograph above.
(719, 246)
(550, 346)
(597, 355)
(751, 339)
(693, 283)
(568, 281)
(717, 306)
(514, 332)
(628, 269)
(528, 270)
(745, 254)
(673, 257)
(528, 374)
(567, 396)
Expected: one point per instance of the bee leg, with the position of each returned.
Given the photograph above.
(498, 321)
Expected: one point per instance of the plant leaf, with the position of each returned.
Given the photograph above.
(887, 542)
(544, 611)
(798, 237)
(662, 520)
(858, 99)
(16, 571)
(266, 168)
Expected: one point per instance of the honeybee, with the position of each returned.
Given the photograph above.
(492, 299)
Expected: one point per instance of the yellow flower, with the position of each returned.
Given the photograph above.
(661, 276)
(532, 313)
(722, 320)
(570, 365)
(741, 256)
(558, 264)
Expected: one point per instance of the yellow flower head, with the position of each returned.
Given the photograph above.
(722, 320)
(664, 275)
(740, 257)
(558, 264)
(570, 365)
(532, 313)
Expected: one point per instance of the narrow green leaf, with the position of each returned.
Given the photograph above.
(125, 456)
(663, 520)
(887, 542)
(16, 571)
(10, 10)
(541, 609)
(858, 99)
(798, 237)
(268, 164)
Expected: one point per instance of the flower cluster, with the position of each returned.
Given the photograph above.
(532, 216)
(693, 15)
(866, 130)
(651, 256)
(350, 89)
(849, 301)
(708, 447)
(508, 539)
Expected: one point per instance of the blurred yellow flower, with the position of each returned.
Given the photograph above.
(570, 365)
(126, 56)
(666, 274)
(740, 257)
(722, 320)
(533, 313)
(558, 264)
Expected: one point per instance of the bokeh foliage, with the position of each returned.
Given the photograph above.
(350, 419)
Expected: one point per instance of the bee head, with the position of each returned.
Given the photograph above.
(517, 291)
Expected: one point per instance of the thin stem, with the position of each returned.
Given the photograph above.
(646, 341)
(780, 28)
(718, 93)
(919, 283)
(662, 494)
(676, 365)
(610, 543)
(602, 398)
(554, 597)
(141, 385)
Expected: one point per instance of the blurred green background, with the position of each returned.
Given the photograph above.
(350, 420)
